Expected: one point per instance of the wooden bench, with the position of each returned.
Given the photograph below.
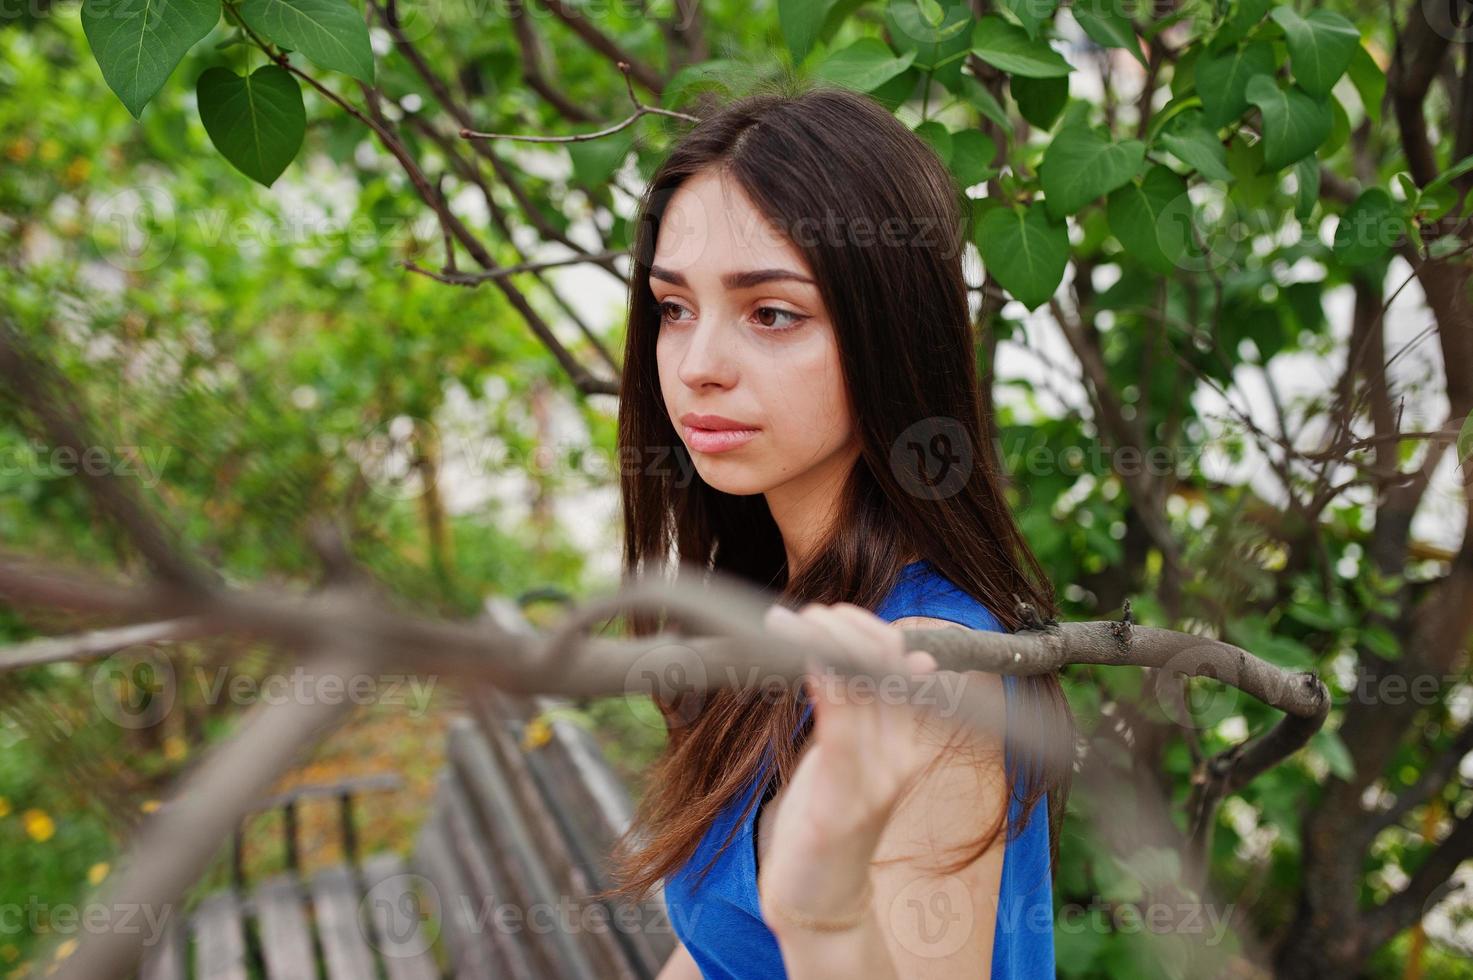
(288, 927)
(497, 886)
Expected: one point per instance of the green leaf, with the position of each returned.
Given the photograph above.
(1197, 146)
(1252, 633)
(331, 33)
(1009, 48)
(1178, 105)
(1245, 16)
(1040, 100)
(1307, 175)
(1369, 81)
(1082, 164)
(938, 45)
(800, 21)
(1336, 755)
(1317, 612)
(1368, 228)
(1293, 123)
(985, 103)
(1381, 641)
(972, 153)
(1108, 26)
(256, 122)
(722, 75)
(1449, 175)
(936, 134)
(1025, 251)
(138, 43)
(1222, 80)
(1030, 13)
(1320, 46)
(1434, 202)
(1153, 219)
(863, 66)
(596, 160)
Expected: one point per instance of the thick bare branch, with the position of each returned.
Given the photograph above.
(97, 643)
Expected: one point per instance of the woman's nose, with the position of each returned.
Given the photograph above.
(709, 358)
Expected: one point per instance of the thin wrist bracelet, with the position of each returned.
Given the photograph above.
(826, 923)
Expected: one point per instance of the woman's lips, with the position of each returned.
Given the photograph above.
(717, 440)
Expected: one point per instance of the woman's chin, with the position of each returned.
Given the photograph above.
(730, 476)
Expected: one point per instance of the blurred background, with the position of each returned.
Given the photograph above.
(329, 328)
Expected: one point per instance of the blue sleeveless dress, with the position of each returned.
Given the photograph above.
(719, 921)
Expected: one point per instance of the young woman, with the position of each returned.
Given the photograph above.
(799, 335)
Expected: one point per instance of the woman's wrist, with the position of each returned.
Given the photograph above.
(827, 921)
(832, 894)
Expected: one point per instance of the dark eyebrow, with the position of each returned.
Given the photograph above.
(733, 280)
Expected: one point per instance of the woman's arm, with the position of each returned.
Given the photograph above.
(680, 966)
(920, 924)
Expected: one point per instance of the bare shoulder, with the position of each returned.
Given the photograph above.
(954, 802)
(936, 729)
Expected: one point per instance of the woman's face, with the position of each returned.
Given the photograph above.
(745, 336)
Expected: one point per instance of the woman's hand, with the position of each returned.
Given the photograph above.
(858, 761)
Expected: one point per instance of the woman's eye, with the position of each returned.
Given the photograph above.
(793, 318)
(665, 309)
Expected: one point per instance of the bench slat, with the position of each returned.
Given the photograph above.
(583, 797)
(286, 935)
(470, 955)
(579, 794)
(165, 960)
(504, 823)
(543, 804)
(335, 899)
(396, 913)
(490, 890)
(219, 935)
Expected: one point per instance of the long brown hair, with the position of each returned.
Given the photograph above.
(816, 157)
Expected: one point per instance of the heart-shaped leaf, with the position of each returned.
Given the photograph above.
(1307, 175)
(1368, 229)
(1153, 219)
(801, 21)
(972, 153)
(1194, 144)
(864, 66)
(595, 161)
(331, 33)
(1369, 81)
(1294, 124)
(1040, 100)
(138, 43)
(1244, 16)
(1320, 46)
(1025, 251)
(255, 122)
(1107, 26)
(1030, 13)
(1222, 80)
(1082, 164)
(1009, 48)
